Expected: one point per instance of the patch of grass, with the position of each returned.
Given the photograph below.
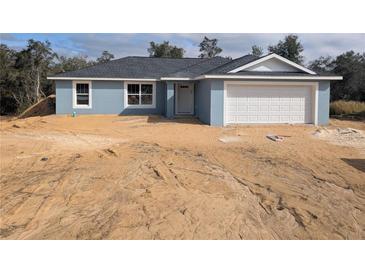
(345, 108)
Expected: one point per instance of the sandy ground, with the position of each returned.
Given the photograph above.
(114, 177)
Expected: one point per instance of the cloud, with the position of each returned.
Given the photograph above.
(233, 45)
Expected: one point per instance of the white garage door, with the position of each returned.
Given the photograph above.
(268, 104)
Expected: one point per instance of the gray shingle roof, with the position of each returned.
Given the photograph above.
(155, 68)
(200, 68)
(233, 64)
(148, 67)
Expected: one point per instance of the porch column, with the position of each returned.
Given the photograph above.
(170, 99)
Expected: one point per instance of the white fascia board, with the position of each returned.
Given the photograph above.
(175, 79)
(268, 57)
(100, 79)
(263, 77)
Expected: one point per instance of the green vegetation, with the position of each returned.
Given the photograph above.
(257, 51)
(348, 108)
(165, 50)
(291, 48)
(351, 66)
(209, 48)
(23, 73)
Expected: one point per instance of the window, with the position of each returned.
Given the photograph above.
(82, 94)
(140, 95)
(133, 94)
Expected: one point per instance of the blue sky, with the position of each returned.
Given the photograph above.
(233, 45)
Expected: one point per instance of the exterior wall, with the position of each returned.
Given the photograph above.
(107, 98)
(202, 100)
(170, 100)
(63, 97)
(323, 102)
(217, 103)
(210, 100)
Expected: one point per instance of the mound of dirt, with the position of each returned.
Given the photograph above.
(44, 107)
(342, 136)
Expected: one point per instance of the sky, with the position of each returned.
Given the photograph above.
(233, 44)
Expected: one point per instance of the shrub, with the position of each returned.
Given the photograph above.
(342, 107)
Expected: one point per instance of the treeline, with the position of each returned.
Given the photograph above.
(351, 66)
(23, 73)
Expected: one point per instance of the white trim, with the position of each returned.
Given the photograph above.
(263, 77)
(74, 98)
(316, 95)
(125, 91)
(268, 57)
(174, 79)
(249, 77)
(176, 103)
(314, 85)
(100, 79)
(269, 83)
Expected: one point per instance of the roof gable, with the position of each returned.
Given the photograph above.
(272, 63)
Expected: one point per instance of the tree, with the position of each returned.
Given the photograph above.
(33, 64)
(165, 50)
(291, 48)
(322, 64)
(7, 79)
(209, 48)
(7, 72)
(105, 57)
(71, 63)
(257, 51)
(351, 66)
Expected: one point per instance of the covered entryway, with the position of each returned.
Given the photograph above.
(260, 102)
(184, 99)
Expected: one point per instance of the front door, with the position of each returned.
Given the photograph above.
(185, 99)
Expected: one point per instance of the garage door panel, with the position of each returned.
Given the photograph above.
(268, 104)
(242, 119)
(274, 107)
(274, 118)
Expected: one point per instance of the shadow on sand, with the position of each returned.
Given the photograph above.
(155, 119)
(356, 163)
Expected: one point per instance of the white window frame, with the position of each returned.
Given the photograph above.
(74, 95)
(126, 105)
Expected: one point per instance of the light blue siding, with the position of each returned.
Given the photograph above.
(202, 101)
(170, 99)
(107, 98)
(64, 97)
(323, 102)
(217, 103)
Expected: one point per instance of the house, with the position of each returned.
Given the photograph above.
(219, 91)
